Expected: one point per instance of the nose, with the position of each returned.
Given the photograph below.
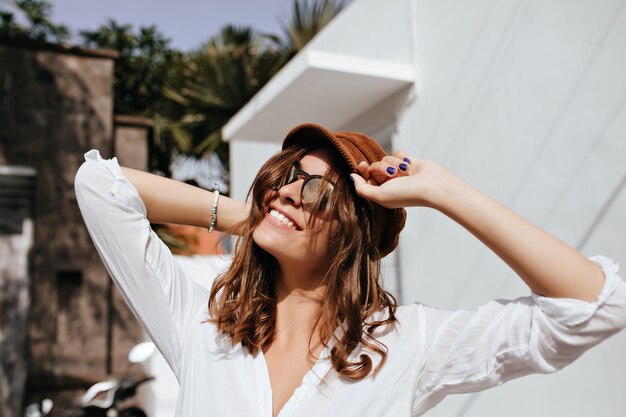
(291, 192)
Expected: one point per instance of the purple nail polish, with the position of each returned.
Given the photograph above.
(407, 160)
(391, 170)
(403, 166)
(351, 178)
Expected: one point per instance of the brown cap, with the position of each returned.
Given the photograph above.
(355, 147)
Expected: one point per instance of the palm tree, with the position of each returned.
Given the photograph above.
(37, 16)
(220, 78)
(307, 20)
(225, 73)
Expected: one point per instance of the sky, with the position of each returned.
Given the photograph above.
(188, 23)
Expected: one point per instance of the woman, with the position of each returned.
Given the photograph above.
(300, 324)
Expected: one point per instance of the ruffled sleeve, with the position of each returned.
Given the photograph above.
(159, 292)
(472, 350)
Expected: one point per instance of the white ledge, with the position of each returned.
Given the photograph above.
(321, 87)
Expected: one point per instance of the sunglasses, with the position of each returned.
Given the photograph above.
(316, 192)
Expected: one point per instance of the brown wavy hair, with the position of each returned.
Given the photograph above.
(242, 301)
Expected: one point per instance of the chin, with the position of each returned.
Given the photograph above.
(265, 242)
(272, 241)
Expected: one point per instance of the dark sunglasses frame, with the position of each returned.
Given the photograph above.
(293, 175)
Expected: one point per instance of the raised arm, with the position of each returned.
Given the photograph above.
(170, 201)
(548, 266)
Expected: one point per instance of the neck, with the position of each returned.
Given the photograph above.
(299, 299)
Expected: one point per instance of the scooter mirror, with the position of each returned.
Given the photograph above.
(46, 406)
(141, 352)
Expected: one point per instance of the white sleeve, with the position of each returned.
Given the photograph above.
(158, 291)
(469, 351)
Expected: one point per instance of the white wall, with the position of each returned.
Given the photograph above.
(525, 100)
(246, 157)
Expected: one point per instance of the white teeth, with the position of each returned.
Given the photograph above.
(281, 218)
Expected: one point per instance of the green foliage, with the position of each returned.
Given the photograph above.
(145, 64)
(39, 29)
(189, 96)
(224, 74)
(307, 19)
(219, 79)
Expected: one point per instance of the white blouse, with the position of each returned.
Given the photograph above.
(431, 352)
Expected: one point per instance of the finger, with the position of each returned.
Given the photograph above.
(363, 189)
(401, 154)
(406, 158)
(401, 165)
(363, 170)
(382, 171)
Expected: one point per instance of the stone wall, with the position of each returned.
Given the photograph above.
(131, 141)
(56, 104)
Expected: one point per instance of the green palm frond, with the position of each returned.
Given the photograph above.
(209, 96)
(182, 138)
(210, 143)
(193, 118)
(175, 96)
(307, 20)
(223, 74)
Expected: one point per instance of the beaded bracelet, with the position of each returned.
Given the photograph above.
(216, 196)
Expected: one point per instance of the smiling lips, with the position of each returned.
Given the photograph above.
(282, 219)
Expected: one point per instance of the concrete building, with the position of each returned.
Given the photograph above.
(524, 100)
(63, 325)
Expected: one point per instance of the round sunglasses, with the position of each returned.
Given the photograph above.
(317, 190)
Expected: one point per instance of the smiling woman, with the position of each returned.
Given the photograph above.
(300, 324)
(324, 261)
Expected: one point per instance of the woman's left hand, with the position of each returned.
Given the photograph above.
(399, 180)
(548, 266)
